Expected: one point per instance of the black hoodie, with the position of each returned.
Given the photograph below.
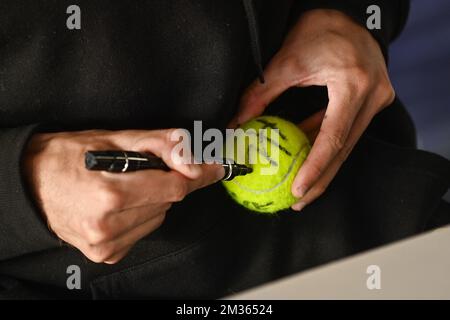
(158, 64)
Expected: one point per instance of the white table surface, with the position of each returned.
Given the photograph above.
(415, 268)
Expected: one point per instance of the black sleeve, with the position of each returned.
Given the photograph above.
(22, 230)
(394, 14)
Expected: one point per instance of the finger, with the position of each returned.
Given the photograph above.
(177, 153)
(149, 187)
(312, 135)
(311, 125)
(163, 143)
(102, 252)
(361, 123)
(279, 76)
(98, 230)
(338, 120)
(211, 173)
(153, 186)
(313, 122)
(121, 222)
(130, 238)
(119, 192)
(177, 188)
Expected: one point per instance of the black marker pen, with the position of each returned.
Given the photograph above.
(128, 161)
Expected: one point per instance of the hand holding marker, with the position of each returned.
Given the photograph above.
(260, 192)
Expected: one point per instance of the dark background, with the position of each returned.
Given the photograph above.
(420, 71)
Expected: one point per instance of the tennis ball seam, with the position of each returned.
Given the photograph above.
(285, 177)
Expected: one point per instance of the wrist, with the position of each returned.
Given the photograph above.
(30, 167)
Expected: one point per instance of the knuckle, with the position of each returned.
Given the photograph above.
(287, 64)
(315, 169)
(388, 95)
(110, 199)
(172, 137)
(98, 253)
(60, 139)
(95, 230)
(335, 139)
(286, 61)
(361, 79)
(179, 190)
(362, 75)
(169, 133)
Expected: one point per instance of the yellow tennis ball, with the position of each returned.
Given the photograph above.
(275, 149)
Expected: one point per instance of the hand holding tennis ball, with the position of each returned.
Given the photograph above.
(325, 48)
(275, 149)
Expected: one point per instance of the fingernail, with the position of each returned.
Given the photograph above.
(299, 206)
(220, 173)
(301, 191)
(234, 123)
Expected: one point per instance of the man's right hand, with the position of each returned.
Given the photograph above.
(104, 214)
